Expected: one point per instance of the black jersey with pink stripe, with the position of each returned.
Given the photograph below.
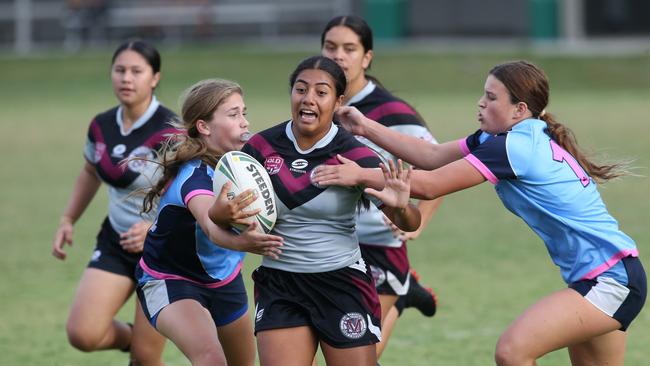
(317, 223)
(108, 149)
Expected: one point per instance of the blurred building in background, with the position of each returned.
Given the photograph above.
(26, 25)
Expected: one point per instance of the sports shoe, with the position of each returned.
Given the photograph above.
(419, 297)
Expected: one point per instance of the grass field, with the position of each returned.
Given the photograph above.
(483, 262)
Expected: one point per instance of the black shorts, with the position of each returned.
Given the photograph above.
(226, 303)
(341, 306)
(109, 255)
(621, 302)
(389, 267)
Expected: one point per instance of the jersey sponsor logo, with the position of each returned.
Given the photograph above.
(118, 151)
(139, 158)
(353, 325)
(378, 275)
(100, 149)
(299, 164)
(272, 164)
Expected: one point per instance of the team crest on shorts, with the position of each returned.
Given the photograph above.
(378, 275)
(272, 164)
(353, 325)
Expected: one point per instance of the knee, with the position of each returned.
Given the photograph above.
(209, 359)
(143, 355)
(508, 353)
(81, 339)
(209, 356)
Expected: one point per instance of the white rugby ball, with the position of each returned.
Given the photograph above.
(244, 172)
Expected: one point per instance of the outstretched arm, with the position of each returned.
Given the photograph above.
(411, 149)
(453, 177)
(348, 174)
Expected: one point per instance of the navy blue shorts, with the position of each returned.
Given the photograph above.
(226, 303)
(389, 268)
(109, 255)
(341, 306)
(621, 302)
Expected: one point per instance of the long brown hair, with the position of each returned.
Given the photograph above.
(527, 83)
(199, 103)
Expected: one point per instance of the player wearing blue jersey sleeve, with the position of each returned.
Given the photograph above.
(348, 40)
(189, 280)
(319, 291)
(135, 128)
(541, 175)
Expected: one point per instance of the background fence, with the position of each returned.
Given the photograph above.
(26, 25)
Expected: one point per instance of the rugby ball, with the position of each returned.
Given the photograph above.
(244, 172)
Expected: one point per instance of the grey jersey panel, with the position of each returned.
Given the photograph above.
(319, 236)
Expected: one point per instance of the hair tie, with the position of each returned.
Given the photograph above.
(542, 113)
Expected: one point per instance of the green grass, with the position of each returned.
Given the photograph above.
(484, 263)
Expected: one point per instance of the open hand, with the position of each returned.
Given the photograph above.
(397, 187)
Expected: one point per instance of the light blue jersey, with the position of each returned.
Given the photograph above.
(176, 247)
(543, 184)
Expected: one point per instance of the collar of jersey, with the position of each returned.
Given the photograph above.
(369, 88)
(321, 143)
(153, 106)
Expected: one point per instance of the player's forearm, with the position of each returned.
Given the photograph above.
(84, 190)
(372, 178)
(406, 219)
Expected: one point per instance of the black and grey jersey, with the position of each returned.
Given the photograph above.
(109, 148)
(317, 223)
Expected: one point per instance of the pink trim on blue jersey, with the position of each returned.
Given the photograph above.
(198, 192)
(168, 276)
(611, 262)
(484, 170)
(388, 109)
(462, 143)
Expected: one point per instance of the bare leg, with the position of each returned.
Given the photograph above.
(190, 326)
(238, 341)
(287, 347)
(561, 319)
(99, 297)
(607, 349)
(387, 321)
(358, 356)
(147, 345)
(387, 328)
